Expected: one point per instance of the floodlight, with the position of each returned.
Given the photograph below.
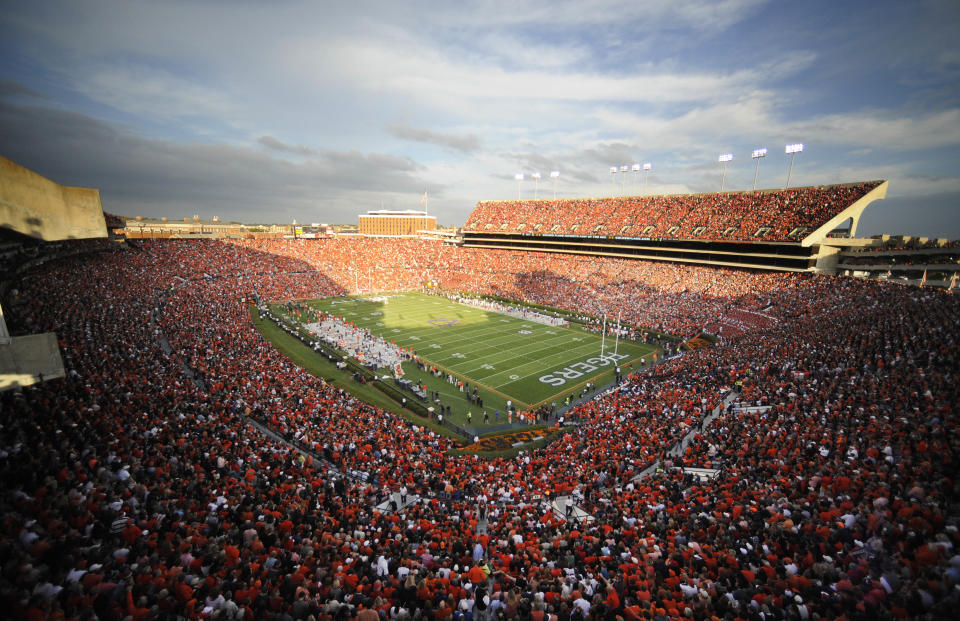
(757, 154)
(636, 173)
(554, 174)
(724, 159)
(792, 150)
(518, 176)
(535, 175)
(613, 170)
(623, 170)
(646, 174)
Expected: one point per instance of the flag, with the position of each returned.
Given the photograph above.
(953, 281)
(423, 198)
(923, 280)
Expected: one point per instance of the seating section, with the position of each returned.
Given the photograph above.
(770, 215)
(136, 486)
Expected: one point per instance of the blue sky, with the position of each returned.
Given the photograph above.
(259, 111)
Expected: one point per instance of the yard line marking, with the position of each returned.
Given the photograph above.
(488, 339)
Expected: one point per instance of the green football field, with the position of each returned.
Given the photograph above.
(511, 358)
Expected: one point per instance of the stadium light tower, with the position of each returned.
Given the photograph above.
(636, 176)
(646, 174)
(519, 178)
(553, 175)
(724, 159)
(792, 150)
(536, 185)
(623, 172)
(758, 154)
(613, 173)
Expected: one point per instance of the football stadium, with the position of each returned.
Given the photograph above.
(649, 403)
(678, 430)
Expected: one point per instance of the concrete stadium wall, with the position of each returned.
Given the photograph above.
(33, 205)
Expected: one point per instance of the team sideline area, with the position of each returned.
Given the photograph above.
(804, 467)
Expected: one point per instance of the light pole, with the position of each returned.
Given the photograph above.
(758, 154)
(623, 171)
(519, 178)
(646, 174)
(536, 185)
(613, 175)
(636, 176)
(724, 159)
(792, 150)
(553, 175)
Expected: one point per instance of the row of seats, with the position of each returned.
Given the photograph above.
(767, 215)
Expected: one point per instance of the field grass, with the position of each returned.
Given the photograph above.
(319, 366)
(507, 358)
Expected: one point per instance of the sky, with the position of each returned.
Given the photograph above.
(320, 111)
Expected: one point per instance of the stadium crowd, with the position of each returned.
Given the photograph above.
(133, 491)
(768, 215)
(666, 297)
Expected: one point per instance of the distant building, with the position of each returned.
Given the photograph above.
(194, 228)
(396, 223)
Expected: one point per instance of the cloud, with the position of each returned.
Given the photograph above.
(11, 88)
(151, 91)
(426, 75)
(272, 143)
(903, 182)
(467, 143)
(142, 176)
(877, 128)
(319, 106)
(698, 14)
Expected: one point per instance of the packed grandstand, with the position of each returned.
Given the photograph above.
(184, 468)
(771, 215)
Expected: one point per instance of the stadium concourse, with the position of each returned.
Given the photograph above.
(133, 491)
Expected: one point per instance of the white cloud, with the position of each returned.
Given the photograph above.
(697, 14)
(426, 75)
(903, 181)
(149, 91)
(885, 129)
(320, 94)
